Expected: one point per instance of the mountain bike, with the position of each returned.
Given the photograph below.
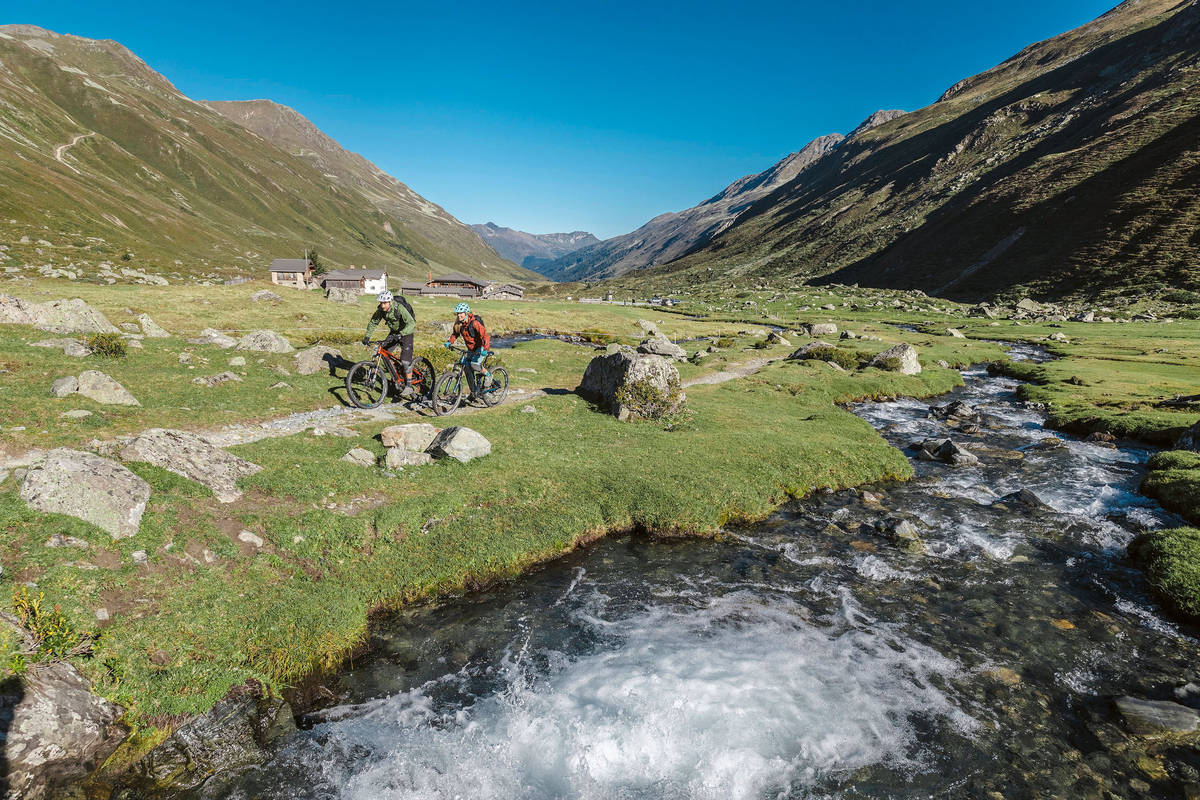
(367, 382)
(448, 391)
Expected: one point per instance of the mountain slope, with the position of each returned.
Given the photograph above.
(287, 129)
(1071, 167)
(101, 157)
(671, 235)
(532, 250)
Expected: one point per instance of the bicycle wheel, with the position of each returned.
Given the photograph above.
(448, 392)
(424, 377)
(367, 384)
(494, 395)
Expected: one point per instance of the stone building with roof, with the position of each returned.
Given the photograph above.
(455, 284)
(294, 272)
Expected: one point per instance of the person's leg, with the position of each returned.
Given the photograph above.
(406, 359)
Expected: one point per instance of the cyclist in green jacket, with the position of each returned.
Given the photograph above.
(400, 325)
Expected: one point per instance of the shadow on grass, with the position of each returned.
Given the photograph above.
(12, 692)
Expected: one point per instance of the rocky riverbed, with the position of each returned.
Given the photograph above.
(974, 632)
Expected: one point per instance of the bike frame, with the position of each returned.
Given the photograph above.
(390, 358)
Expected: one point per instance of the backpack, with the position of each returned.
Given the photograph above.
(404, 302)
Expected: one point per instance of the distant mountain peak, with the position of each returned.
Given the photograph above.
(532, 250)
(875, 120)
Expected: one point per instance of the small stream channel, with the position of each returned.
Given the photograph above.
(803, 657)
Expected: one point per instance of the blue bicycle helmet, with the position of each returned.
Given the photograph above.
(462, 308)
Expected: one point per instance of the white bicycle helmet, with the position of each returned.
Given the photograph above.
(385, 296)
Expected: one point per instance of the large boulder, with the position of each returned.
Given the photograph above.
(416, 436)
(662, 346)
(192, 457)
(15, 311)
(318, 358)
(89, 487)
(461, 444)
(905, 355)
(347, 296)
(214, 337)
(56, 731)
(265, 342)
(230, 736)
(69, 316)
(822, 329)
(150, 328)
(608, 374)
(103, 389)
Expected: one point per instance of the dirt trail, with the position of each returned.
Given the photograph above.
(245, 433)
(62, 149)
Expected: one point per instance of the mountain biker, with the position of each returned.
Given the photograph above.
(475, 336)
(400, 325)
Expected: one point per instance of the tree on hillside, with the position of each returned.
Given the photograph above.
(318, 266)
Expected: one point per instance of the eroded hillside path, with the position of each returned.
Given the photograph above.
(62, 149)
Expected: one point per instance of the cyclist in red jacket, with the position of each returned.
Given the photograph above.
(475, 336)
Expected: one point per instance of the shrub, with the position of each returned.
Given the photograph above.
(891, 364)
(110, 345)
(1181, 296)
(597, 337)
(54, 637)
(724, 342)
(847, 359)
(127, 256)
(645, 400)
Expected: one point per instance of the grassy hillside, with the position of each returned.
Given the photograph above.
(105, 165)
(1069, 169)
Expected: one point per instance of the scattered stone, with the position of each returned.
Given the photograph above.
(1004, 675)
(88, 487)
(955, 332)
(1100, 436)
(319, 358)
(58, 540)
(903, 534)
(56, 731)
(1049, 443)
(1156, 718)
(1025, 498)
(338, 295)
(139, 557)
(774, 337)
(102, 615)
(129, 327)
(1086, 316)
(461, 444)
(527, 370)
(333, 429)
(192, 457)
(265, 341)
(218, 379)
(946, 451)
(97, 386)
(1058, 336)
(280, 385)
(822, 328)
(662, 346)
(250, 538)
(607, 374)
(265, 296)
(1025, 304)
(400, 457)
(528, 410)
(237, 361)
(649, 327)
(150, 328)
(416, 436)
(360, 457)
(231, 736)
(76, 413)
(805, 351)
(64, 386)
(214, 337)
(906, 354)
(956, 410)
(185, 358)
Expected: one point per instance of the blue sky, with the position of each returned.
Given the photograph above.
(564, 116)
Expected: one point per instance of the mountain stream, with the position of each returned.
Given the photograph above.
(802, 657)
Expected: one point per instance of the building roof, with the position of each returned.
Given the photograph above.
(506, 287)
(414, 286)
(355, 274)
(458, 277)
(290, 265)
(450, 291)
